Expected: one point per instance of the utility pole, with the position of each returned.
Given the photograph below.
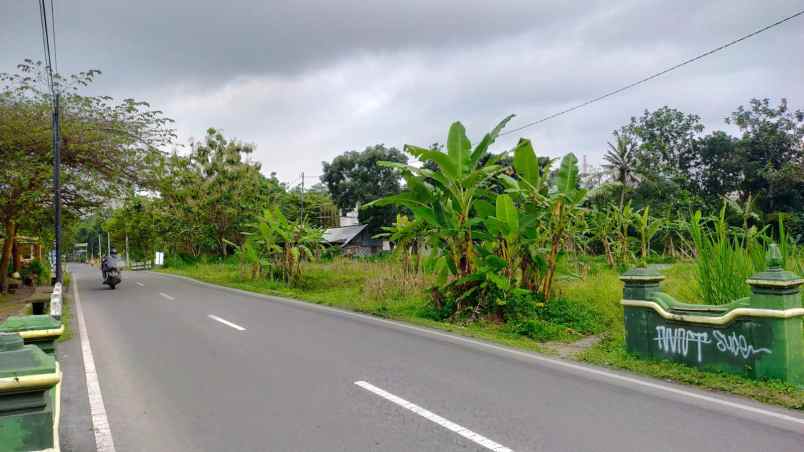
(100, 247)
(57, 184)
(108, 243)
(128, 264)
(301, 214)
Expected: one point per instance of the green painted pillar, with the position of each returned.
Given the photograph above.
(29, 396)
(777, 290)
(40, 330)
(639, 284)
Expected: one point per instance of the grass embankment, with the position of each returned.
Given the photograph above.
(582, 306)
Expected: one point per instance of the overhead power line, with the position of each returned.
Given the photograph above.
(651, 77)
(53, 27)
(46, 43)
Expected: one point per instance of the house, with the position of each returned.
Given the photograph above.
(354, 240)
(24, 250)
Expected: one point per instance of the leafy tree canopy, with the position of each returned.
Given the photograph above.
(356, 178)
(106, 146)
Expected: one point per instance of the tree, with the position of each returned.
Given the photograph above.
(211, 194)
(621, 160)
(106, 146)
(721, 168)
(355, 178)
(137, 222)
(319, 209)
(667, 140)
(231, 187)
(771, 155)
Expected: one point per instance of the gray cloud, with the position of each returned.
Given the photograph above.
(307, 80)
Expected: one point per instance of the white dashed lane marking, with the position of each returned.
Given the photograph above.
(432, 417)
(226, 322)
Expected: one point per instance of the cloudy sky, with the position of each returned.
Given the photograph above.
(306, 80)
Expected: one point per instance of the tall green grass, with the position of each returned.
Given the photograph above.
(725, 258)
(792, 253)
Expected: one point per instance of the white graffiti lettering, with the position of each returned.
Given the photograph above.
(677, 340)
(736, 345)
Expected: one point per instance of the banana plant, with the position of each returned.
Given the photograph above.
(550, 207)
(530, 187)
(601, 227)
(647, 227)
(407, 236)
(284, 244)
(623, 220)
(445, 199)
(504, 225)
(564, 199)
(248, 257)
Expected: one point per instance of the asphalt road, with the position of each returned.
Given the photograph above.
(185, 366)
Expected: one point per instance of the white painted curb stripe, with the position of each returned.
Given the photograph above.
(226, 322)
(432, 417)
(166, 296)
(532, 356)
(140, 284)
(97, 410)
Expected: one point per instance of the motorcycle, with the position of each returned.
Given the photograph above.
(111, 268)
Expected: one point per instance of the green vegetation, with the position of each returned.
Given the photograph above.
(66, 318)
(383, 287)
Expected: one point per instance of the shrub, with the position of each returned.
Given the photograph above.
(579, 317)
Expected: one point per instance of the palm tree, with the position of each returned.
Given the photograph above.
(621, 160)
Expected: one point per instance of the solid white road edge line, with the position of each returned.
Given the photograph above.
(97, 410)
(140, 284)
(432, 417)
(226, 322)
(166, 296)
(533, 356)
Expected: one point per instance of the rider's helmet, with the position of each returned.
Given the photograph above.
(113, 251)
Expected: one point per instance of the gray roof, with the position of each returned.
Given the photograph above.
(343, 235)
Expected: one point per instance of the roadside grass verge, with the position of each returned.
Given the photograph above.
(582, 307)
(66, 318)
(610, 352)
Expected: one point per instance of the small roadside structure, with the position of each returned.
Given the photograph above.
(758, 337)
(24, 250)
(354, 240)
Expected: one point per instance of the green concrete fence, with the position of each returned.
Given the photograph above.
(29, 396)
(30, 380)
(759, 336)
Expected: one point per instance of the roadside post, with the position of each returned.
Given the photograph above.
(758, 336)
(29, 396)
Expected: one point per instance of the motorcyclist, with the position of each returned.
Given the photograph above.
(109, 262)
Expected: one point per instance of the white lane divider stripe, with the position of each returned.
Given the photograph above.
(97, 410)
(226, 322)
(140, 284)
(432, 417)
(166, 296)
